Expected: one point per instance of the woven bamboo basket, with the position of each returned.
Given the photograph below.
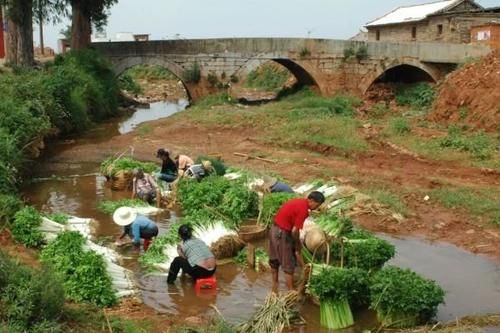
(121, 180)
(252, 232)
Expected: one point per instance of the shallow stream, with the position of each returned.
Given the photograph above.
(472, 282)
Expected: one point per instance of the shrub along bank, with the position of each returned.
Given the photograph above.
(65, 96)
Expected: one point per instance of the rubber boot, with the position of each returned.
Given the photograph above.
(146, 244)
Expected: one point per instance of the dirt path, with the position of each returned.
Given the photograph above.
(382, 165)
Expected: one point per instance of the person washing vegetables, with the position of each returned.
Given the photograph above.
(144, 186)
(284, 242)
(135, 226)
(168, 172)
(195, 257)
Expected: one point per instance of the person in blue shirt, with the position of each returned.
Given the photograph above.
(135, 226)
(272, 185)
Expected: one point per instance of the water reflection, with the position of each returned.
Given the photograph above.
(155, 111)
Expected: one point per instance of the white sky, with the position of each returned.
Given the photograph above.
(164, 19)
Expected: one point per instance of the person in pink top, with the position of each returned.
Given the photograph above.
(144, 186)
(183, 163)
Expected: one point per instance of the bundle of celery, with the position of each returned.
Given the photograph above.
(363, 250)
(337, 288)
(334, 225)
(403, 298)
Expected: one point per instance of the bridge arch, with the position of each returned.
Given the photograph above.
(123, 64)
(403, 71)
(300, 72)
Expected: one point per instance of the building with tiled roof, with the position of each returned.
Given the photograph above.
(442, 21)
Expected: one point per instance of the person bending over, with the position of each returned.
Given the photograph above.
(135, 226)
(144, 186)
(284, 242)
(195, 257)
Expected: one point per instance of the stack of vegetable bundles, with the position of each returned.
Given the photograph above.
(90, 272)
(401, 298)
(338, 289)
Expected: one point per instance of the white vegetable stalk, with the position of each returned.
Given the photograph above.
(209, 234)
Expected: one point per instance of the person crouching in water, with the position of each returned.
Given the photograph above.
(135, 226)
(144, 186)
(200, 171)
(284, 242)
(195, 257)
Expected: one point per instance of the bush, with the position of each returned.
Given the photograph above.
(150, 73)
(362, 52)
(126, 82)
(25, 227)
(478, 145)
(9, 205)
(420, 95)
(192, 74)
(31, 299)
(400, 126)
(316, 106)
(268, 76)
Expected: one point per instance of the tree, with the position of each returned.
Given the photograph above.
(19, 15)
(47, 11)
(84, 14)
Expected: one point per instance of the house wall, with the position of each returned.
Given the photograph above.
(486, 34)
(456, 29)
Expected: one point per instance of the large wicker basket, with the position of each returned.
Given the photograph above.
(252, 232)
(122, 180)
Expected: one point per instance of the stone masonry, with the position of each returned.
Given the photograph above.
(319, 63)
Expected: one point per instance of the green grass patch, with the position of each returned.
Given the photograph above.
(389, 199)
(269, 77)
(150, 73)
(338, 132)
(479, 145)
(400, 126)
(482, 203)
(419, 96)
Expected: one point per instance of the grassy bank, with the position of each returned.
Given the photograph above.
(300, 120)
(65, 96)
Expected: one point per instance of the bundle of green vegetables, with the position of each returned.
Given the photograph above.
(362, 250)
(111, 166)
(271, 203)
(109, 206)
(230, 201)
(83, 272)
(402, 298)
(338, 289)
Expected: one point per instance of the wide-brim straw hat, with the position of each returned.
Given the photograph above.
(269, 181)
(124, 216)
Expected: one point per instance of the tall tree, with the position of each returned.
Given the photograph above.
(20, 31)
(45, 11)
(84, 15)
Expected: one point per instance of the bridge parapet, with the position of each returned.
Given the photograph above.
(289, 48)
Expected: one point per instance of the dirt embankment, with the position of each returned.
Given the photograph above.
(471, 95)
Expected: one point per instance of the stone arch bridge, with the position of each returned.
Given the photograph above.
(321, 63)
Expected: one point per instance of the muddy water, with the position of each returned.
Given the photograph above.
(472, 282)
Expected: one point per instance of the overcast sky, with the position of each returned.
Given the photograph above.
(164, 19)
